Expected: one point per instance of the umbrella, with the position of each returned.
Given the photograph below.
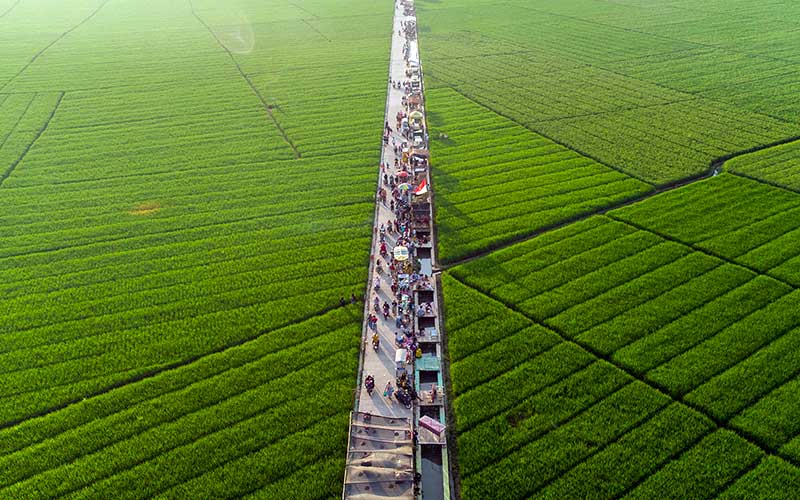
(403, 175)
(401, 253)
(404, 186)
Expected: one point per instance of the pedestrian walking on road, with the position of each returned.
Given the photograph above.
(389, 392)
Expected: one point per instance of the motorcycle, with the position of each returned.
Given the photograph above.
(404, 398)
(376, 341)
(369, 384)
(385, 310)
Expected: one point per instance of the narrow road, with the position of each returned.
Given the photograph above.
(381, 364)
(389, 456)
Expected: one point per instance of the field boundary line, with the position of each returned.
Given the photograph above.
(546, 136)
(602, 269)
(19, 119)
(267, 107)
(719, 162)
(193, 381)
(8, 10)
(39, 134)
(554, 425)
(649, 300)
(763, 181)
(156, 425)
(579, 368)
(620, 109)
(164, 368)
(573, 219)
(58, 39)
(702, 250)
(739, 475)
(534, 357)
(107, 475)
(704, 339)
(282, 162)
(281, 475)
(164, 232)
(140, 327)
(653, 385)
(300, 7)
(487, 346)
(556, 189)
(765, 243)
(162, 259)
(792, 375)
(580, 255)
(794, 379)
(689, 313)
(546, 184)
(161, 287)
(649, 273)
(599, 449)
(305, 21)
(668, 460)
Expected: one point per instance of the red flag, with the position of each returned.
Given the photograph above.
(422, 188)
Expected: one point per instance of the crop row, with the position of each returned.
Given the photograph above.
(779, 165)
(105, 195)
(23, 117)
(602, 84)
(562, 448)
(204, 404)
(94, 330)
(759, 84)
(757, 228)
(476, 178)
(715, 333)
(60, 233)
(773, 478)
(540, 410)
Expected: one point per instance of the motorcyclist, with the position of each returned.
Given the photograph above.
(369, 384)
(376, 340)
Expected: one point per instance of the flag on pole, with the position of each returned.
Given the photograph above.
(422, 188)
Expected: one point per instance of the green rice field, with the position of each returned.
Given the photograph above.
(187, 191)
